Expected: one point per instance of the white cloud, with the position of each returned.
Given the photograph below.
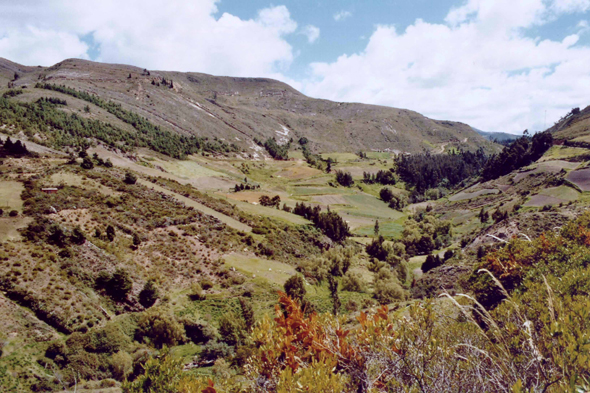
(341, 15)
(479, 67)
(311, 32)
(171, 35)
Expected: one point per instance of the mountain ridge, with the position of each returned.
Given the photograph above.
(237, 109)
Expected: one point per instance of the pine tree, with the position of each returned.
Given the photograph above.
(376, 228)
(333, 284)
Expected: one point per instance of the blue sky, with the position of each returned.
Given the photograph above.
(498, 65)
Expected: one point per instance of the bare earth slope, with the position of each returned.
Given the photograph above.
(240, 109)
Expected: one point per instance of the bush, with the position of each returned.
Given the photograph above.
(196, 292)
(387, 288)
(130, 178)
(214, 350)
(13, 213)
(206, 284)
(199, 332)
(295, 288)
(160, 328)
(353, 282)
(87, 163)
(121, 365)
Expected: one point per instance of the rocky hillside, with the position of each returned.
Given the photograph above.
(237, 110)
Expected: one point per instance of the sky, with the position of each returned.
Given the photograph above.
(497, 65)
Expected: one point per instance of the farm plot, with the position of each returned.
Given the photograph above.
(275, 272)
(542, 200)
(200, 207)
(461, 196)
(562, 192)
(10, 195)
(580, 178)
(298, 172)
(330, 200)
(72, 179)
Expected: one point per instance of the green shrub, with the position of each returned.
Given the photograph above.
(121, 365)
(130, 178)
(353, 282)
(160, 328)
(295, 287)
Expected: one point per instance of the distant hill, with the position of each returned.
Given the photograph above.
(497, 136)
(240, 109)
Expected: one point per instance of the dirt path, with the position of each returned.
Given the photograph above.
(200, 207)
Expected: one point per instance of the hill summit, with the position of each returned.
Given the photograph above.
(242, 110)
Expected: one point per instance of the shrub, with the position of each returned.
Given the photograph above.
(216, 349)
(387, 288)
(13, 213)
(295, 288)
(199, 332)
(206, 284)
(87, 163)
(160, 328)
(121, 365)
(353, 282)
(78, 236)
(130, 178)
(196, 292)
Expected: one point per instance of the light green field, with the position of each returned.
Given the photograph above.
(273, 271)
(270, 212)
(386, 228)
(304, 191)
(560, 152)
(341, 157)
(562, 192)
(202, 208)
(469, 195)
(72, 179)
(10, 195)
(368, 206)
(186, 168)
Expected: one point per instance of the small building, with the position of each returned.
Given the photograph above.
(50, 190)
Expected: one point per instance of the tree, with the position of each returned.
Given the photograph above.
(149, 294)
(333, 285)
(136, 240)
(432, 261)
(160, 328)
(119, 285)
(376, 228)
(295, 288)
(483, 216)
(386, 194)
(247, 313)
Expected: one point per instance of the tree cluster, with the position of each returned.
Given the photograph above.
(13, 149)
(330, 223)
(426, 170)
(147, 135)
(381, 177)
(521, 152)
(275, 201)
(344, 178)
